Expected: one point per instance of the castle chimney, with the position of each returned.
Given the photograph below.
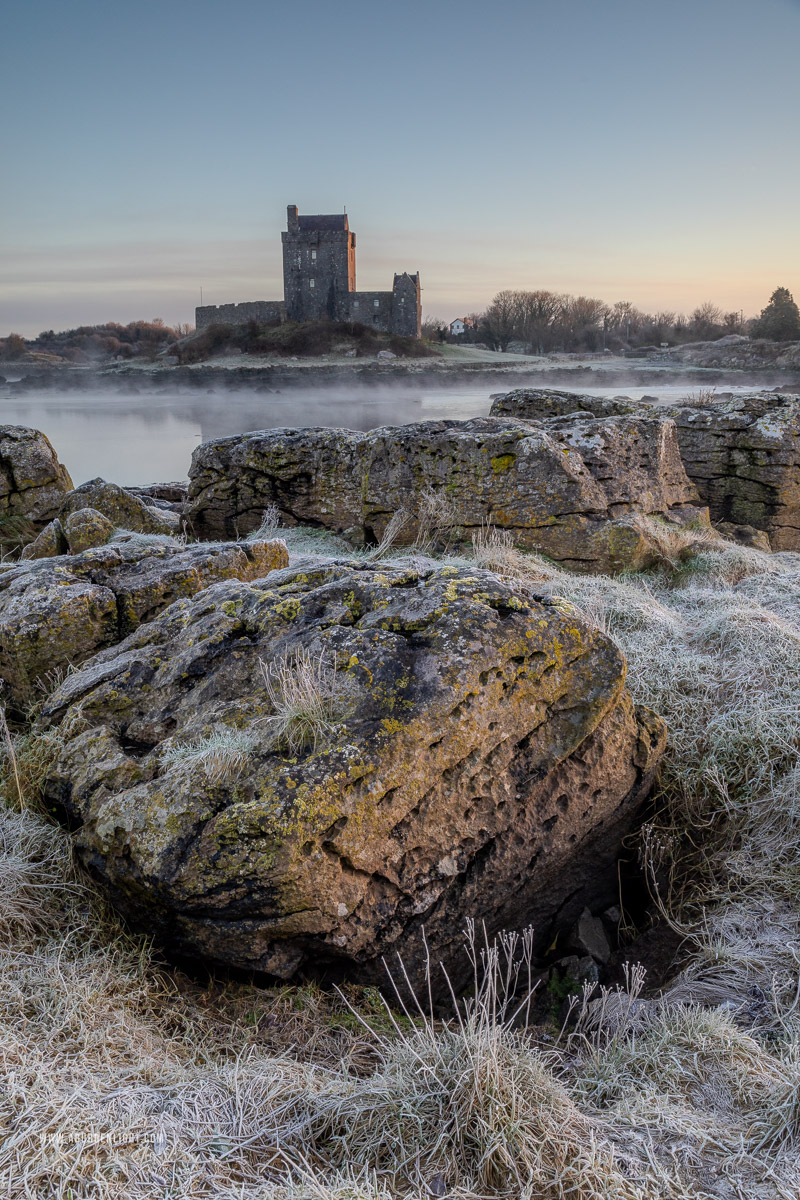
(291, 218)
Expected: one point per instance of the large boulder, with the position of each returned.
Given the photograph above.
(742, 453)
(744, 456)
(56, 612)
(567, 490)
(33, 482)
(484, 761)
(537, 404)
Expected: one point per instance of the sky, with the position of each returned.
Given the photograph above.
(629, 150)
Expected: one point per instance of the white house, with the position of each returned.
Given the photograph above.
(460, 325)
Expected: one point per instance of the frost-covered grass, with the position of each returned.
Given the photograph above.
(309, 698)
(223, 753)
(123, 1079)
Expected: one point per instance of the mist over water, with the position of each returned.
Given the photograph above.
(147, 438)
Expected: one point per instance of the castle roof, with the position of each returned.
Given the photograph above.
(323, 223)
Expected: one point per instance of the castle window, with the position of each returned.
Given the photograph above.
(312, 283)
(355, 304)
(313, 256)
(376, 303)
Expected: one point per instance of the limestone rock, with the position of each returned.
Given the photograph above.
(487, 765)
(537, 404)
(565, 488)
(745, 535)
(744, 456)
(56, 612)
(86, 528)
(33, 482)
(122, 509)
(49, 543)
(742, 453)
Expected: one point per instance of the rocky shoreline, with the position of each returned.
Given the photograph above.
(476, 751)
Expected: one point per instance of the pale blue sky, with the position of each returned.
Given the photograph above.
(627, 150)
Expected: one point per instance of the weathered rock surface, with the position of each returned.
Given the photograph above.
(742, 453)
(51, 542)
(487, 767)
(121, 508)
(565, 488)
(537, 404)
(33, 482)
(56, 612)
(744, 456)
(86, 528)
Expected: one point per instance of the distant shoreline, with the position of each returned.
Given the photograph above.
(515, 371)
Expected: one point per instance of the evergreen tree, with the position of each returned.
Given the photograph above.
(780, 320)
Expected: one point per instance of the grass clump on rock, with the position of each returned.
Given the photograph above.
(310, 699)
(222, 753)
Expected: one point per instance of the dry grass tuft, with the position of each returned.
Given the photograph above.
(701, 397)
(27, 756)
(223, 754)
(270, 527)
(675, 544)
(494, 550)
(310, 698)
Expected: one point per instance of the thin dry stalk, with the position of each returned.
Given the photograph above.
(11, 755)
(397, 523)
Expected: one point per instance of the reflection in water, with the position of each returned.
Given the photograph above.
(140, 438)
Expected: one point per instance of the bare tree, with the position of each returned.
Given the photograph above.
(706, 321)
(499, 320)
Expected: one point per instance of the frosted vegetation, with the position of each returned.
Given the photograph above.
(125, 1079)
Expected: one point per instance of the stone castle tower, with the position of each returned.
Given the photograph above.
(319, 266)
(319, 281)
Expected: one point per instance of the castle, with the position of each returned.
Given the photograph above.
(319, 280)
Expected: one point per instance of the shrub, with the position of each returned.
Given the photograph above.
(14, 347)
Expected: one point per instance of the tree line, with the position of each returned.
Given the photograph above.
(541, 322)
(89, 343)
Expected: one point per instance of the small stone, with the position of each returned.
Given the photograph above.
(578, 968)
(86, 529)
(49, 544)
(745, 535)
(589, 936)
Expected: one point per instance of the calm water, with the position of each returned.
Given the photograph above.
(139, 439)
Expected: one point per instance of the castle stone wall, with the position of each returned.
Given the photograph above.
(268, 311)
(371, 308)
